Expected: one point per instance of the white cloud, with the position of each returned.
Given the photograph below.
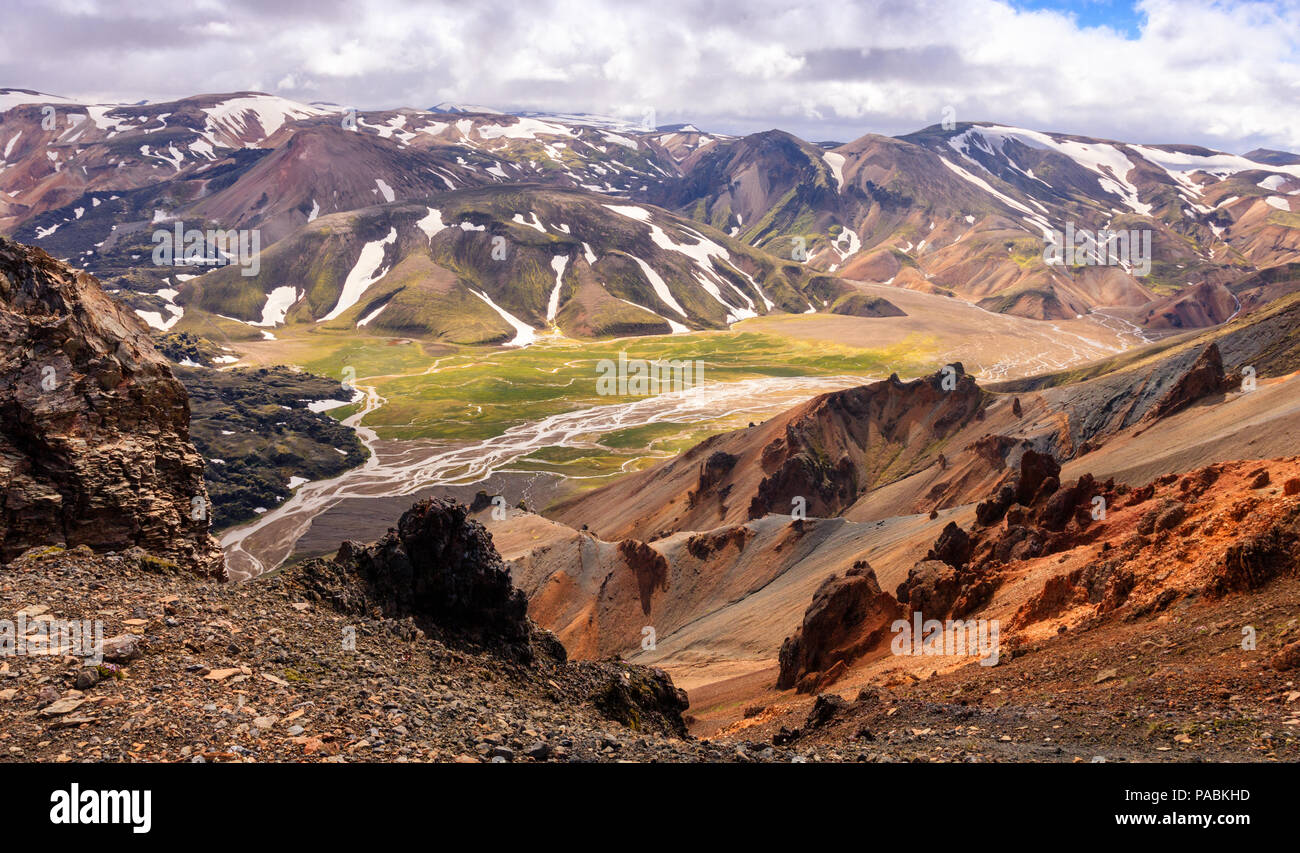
(1199, 71)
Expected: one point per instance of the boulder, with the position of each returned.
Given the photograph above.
(930, 589)
(848, 616)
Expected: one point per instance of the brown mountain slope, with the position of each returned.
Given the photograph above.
(325, 169)
(816, 460)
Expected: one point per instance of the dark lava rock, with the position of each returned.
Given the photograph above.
(637, 693)
(825, 708)
(439, 567)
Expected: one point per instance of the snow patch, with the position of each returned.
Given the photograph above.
(365, 321)
(836, 163)
(535, 223)
(558, 263)
(432, 223)
(631, 211)
(660, 286)
(1005, 199)
(523, 128)
(524, 333)
(367, 270)
(235, 117)
(277, 306)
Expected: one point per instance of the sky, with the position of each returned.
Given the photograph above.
(1224, 75)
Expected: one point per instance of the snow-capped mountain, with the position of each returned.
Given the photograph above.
(964, 210)
(506, 265)
(967, 211)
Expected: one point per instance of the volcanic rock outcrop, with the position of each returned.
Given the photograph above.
(439, 573)
(1032, 473)
(853, 440)
(848, 616)
(1259, 556)
(819, 458)
(1203, 378)
(94, 427)
(1029, 515)
(440, 568)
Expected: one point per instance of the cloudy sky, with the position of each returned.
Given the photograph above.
(1225, 75)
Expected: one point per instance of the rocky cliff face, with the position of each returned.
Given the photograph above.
(94, 428)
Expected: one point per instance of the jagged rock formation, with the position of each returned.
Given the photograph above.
(94, 427)
(439, 567)
(1212, 526)
(439, 571)
(1059, 519)
(853, 440)
(820, 456)
(931, 588)
(1029, 515)
(712, 471)
(1034, 472)
(848, 616)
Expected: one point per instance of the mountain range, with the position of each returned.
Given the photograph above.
(625, 230)
(305, 323)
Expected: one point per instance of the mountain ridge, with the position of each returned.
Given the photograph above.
(960, 210)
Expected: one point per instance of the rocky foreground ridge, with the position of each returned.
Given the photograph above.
(413, 648)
